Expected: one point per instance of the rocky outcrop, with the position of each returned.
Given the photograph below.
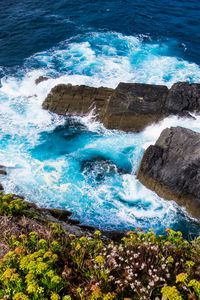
(133, 106)
(171, 167)
(183, 98)
(130, 107)
(77, 100)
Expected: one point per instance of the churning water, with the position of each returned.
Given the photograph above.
(76, 164)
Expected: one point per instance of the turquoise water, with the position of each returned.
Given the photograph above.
(76, 164)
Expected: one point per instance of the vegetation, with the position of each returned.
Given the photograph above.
(48, 263)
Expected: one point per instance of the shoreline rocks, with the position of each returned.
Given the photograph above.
(171, 168)
(129, 107)
(77, 100)
(2, 173)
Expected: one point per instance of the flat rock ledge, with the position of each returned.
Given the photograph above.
(171, 168)
(129, 107)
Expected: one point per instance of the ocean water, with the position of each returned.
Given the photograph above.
(76, 164)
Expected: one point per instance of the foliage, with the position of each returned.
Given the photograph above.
(63, 266)
(10, 205)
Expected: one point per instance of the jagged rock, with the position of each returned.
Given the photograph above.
(40, 79)
(77, 100)
(183, 97)
(171, 167)
(130, 107)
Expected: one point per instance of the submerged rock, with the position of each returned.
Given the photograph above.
(41, 79)
(130, 107)
(171, 168)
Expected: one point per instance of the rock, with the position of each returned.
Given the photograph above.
(59, 214)
(183, 98)
(133, 106)
(130, 107)
(77, 100)
(171, 168)
(41, 79)
(3, 172)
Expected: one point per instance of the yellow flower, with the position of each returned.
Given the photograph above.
(97, 233)
(109, 296)
(78, 247)
(32, 288)
(170, 293)
(20, 296)
(55, 296)
(56, 279)
(190, 263)
(182, 277)
(41, 267)
(99, 260)
(10, 274)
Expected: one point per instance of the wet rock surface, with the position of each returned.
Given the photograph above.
(2, 173)
(133, 106)
(171, 167)
(129, 107)
(77, 100)
(41, 79)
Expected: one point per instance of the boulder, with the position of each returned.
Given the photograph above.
(77, 100)
(171, 168)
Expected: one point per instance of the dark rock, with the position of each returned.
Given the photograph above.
(59, 214)
(130, 107)
(41, 79)
(77, 100)
(98, 169)
(3, 172)
(183, 97)
(133, 106)
(171, 167)
(1, 187)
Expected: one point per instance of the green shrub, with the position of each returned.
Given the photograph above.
(11, 206)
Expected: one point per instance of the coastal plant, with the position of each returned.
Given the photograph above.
(53, 264)
(10, 205)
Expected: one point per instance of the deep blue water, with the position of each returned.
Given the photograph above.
(77, 164)
(30, 26)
